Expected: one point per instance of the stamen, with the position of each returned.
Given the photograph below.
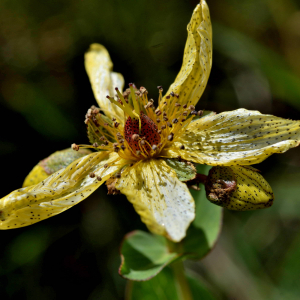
(75, 147)
(135, 103)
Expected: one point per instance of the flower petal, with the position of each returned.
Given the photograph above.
(99, 66)
(58, 192)
(163, 202)
(238, 188)
(197, 60)
(53, 163)
(239, 137)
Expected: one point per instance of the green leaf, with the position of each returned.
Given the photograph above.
(144, 255)
(205, 229)
(163, 287)
(184, 171)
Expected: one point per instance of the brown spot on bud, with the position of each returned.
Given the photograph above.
(220, 185)
(105, 166)
(92, 175)
(181, 147)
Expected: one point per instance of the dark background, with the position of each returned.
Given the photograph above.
(45, 93)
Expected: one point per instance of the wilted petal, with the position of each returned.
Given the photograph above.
(239, 137)
(163, 202)
(238, 188)
(57, 193)
(99, 69)
(197, 60)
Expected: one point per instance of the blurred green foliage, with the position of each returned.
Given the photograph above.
(45, 94)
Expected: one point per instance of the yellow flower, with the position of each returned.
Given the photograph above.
(135, 141)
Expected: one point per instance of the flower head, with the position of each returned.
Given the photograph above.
(143, 150)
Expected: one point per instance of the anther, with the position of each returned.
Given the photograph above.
(165, 119)
(95, 145)
(174, 121)
(135, 137)
(164, 114)
(169, 124)
(185, 113)
(159, 131)
(102, 138)
(177, 104)
(170, 137)
(158, 120)
(184, 106)
(113, 119)
(176, 95)
(194, 112)
(138, 152)
(154, 147)
(181, 147)
(115, 145)
(168, 97)
(116, 149)
(183, 119)
(118, 175)
(143, 142)
(75, 147)
(106, 143)
(105, 166)
(92, 175)
(191, 107)
(123, 147)
(99, 178)
(159, 145)
(158, 112)
(160, 88)
(116, 124)
(172, 94)
(163, 127)
(200, 113)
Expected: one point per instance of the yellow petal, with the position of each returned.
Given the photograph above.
(163, 202)
(99, 66)
(57, 193)
(240, 137)
(197, 60)
(238, 188)
(53, 163)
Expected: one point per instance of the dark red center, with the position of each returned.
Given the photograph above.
(148, 132)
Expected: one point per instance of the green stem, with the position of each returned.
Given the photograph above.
(183, 289)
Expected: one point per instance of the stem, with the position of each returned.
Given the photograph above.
(183, 289)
